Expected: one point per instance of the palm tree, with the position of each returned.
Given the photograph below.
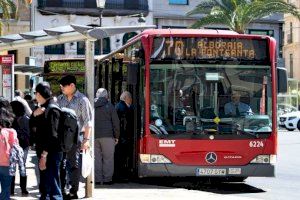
(238, 14)
(10, 10)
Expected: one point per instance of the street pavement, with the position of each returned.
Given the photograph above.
(285, 185)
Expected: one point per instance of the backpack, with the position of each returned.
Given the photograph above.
(21, 125)
(68, 127)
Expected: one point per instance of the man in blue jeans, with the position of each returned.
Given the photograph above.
(75, 100)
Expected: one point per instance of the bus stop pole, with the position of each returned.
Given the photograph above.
(89, 89)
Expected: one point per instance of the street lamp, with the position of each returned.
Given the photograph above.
(100, 6)
(141, 19)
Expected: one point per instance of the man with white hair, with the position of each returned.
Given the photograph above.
(107, 132)
(124, 148)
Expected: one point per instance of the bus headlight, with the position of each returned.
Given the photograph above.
(265, 159)
(152, 158)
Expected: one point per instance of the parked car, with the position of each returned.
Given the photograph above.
(290, 121)
(285, 108)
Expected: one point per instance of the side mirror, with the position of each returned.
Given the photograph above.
(282, 80)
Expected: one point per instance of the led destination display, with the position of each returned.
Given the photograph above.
(210, 48)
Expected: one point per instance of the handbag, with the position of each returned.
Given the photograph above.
(87, 163)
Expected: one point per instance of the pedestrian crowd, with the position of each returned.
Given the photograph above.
(39, 123)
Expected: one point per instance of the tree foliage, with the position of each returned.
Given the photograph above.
(10, 10)
(238, 14)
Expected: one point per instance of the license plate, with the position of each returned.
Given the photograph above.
(210, 172)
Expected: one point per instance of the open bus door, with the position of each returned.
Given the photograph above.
(118, 76)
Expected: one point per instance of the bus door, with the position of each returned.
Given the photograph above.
(118, 76)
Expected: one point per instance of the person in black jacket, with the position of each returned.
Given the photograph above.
(48, 149)
(21, 125)
(123, 153)
(107, 132)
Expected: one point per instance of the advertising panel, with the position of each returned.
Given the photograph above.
(6, 76)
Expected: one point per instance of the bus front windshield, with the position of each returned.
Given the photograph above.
(216, 100)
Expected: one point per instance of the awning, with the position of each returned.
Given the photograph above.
(24, 69)
(63, 34)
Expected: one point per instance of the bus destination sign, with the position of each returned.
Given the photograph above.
(210, 48)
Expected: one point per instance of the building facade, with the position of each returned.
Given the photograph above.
(53, 13)
(291, 54)
(22, 24)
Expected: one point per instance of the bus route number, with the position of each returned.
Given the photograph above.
(256, 144)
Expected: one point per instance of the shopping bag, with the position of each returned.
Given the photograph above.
(86, 163)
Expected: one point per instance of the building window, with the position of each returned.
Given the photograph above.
(291, 66)
(261, 32)
(127, 36)
(15, 53)
(290, 34)
(55, 49)
(179, 2)
(106, 47)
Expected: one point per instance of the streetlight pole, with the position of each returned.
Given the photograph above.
(89, 72)
(100, 6)
(32, 21)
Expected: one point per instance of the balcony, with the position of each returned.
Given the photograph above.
(88, 7)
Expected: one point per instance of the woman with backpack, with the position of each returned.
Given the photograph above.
(8, 137)
(21, 125)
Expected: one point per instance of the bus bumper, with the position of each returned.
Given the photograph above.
(172, 170)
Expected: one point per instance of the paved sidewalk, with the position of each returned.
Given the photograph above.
(126, 191)
(32, 181)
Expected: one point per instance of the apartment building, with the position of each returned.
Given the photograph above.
(53, 13)
(291, 54)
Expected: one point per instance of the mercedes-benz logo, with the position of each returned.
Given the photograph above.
(211, 157)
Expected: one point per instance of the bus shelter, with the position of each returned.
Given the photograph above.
(65, 34)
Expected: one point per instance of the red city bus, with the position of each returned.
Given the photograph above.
(184, 84)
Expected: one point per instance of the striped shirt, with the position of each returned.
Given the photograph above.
(81, 105)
